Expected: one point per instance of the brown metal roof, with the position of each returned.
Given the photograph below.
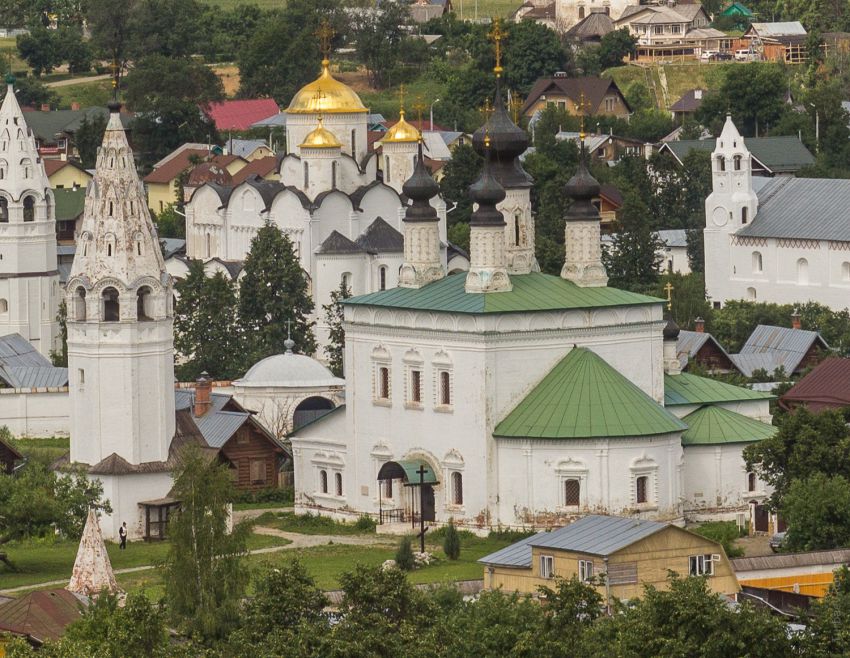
(176, 165)
(262, 167)
(594, 90)
(42, 615)
(827, 386)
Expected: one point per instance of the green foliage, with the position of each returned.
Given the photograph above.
(40, 50)
(509, 534)
(315, 524)
(170, 223)
(827, 632)
(365, 523)
(459, 173)
(572, 606)
(404, 555)
(753, 93)
(88, 138)
(59, 357)
(615, 47)
(632, 259)
(334, 317)
(205, 326)
(205, 575)
(650, 125)
(724, 532)
(817, 509)
(33, 92)
(638, 97)
(276, 495)
(379, 37)
(532, 51)
(451, 542)
(272, 293)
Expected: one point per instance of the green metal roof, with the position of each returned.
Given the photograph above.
(782, 154)
(712, 425)
(69, 203)
(584, 397)
(691, 389)
(736, 9)
(407, 470)
(531, 292)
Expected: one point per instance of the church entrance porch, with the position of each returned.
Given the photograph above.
(157, 513)
(406, 492)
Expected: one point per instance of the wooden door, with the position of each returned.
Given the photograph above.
(428, 506)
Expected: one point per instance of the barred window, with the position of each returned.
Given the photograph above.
(457, 488)
(572, 493)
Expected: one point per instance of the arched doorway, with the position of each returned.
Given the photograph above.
(417, 498)
(310, 409)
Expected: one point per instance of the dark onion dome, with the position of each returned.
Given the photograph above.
(10, 79)
(487, 193)
(114, 106)
(583, 189)
(507, 142)
(421, 188)
(671, 329)
(209, 172)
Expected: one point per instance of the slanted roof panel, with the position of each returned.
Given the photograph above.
(686, 388)
(711, 425)
(828, 383)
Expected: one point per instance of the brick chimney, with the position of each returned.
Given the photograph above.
(795, 320)
(699, 325)
(203, 391)
(75, 105)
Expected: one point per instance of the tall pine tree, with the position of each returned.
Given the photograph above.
(335, 349)
(632, 260)
(272, 293)
(206, 334)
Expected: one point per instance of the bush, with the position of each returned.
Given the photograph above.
(508, 534)
(271, 495)
(725, 532)
(404, 559)
(451, 543)
(439, 534)
(365, 523)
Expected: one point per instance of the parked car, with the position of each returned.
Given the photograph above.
(723, 57)
(777, 542)
(708, 55)
(743, 55)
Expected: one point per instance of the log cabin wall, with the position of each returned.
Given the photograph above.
(254, 457)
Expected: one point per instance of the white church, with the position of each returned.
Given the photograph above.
(507, 396)
(781, 239)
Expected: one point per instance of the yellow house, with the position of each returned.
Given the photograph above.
(64, 174)
(626, 553)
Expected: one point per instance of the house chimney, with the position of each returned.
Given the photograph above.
(699, 325)
(795, 320)
(45, 107)
(203, 388)
(75, 105)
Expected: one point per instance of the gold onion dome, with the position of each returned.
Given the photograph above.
(401, 132)
(320, 138)
(326, 95)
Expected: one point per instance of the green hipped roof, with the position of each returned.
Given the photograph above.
(736, 9)
(69, 203)
(711, 425)
(531, 292)
(691, 389)
(780, 154)
(584, 397)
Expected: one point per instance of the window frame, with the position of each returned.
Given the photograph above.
(546, 566)
(701, 565)
(585, 570)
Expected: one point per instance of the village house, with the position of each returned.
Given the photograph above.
(569, 13)
(687, 105)
(65, 174)
(241, 114)
(590, 29)
(776, 42)
(703, 349)
(827, 386)
(769, 348)
(578, 96)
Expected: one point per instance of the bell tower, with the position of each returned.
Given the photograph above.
(29, 278)
(120, 315)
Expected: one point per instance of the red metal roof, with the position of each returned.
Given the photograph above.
(180, 162)
(825, 387)
(261, 166)
(52, 166)
(41, 615)
(241, 114)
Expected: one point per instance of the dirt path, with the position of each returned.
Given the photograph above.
(79, 81)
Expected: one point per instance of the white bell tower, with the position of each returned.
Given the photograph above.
(29, 278)
(120, 316)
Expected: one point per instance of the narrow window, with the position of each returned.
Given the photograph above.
(4, 306)
(751, 481)
(386, 169)
(109, 249)
(382, 274)
(29, 209)
(144, 312)
(641, 486)
(209, 248)
(845, 269)
(138, 247)
(338, 482)
(384, 383)
(333, 175)
(81, 376)
(585, 570)
(80, 304)
(744, 215)
(111, 208)
(457, 488)
(721, 163)
(547, 566)
(111, 308)
(572, 493)
(388, 488)
(4, 211)
(517, 236)
(323, 481)
(445, 389)
(581, 12)
(737, 163)
(416, 386)
(757, 262)
(306, 175)
(354, 144)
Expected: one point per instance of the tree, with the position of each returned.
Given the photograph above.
(379, 36)
(459, 173)
(272, 293)
(59, 357)
(334, 316)
(615, 47)
(532, 51)
(74, 49)
(817, 510)
(754, 95)
(650, 125)
(205, 575)
(34, 93)
(88, 138)
(111, 26)
(205, 326)
(828, 630)
(165, 27)
(170, 224)
(451, 541)
(688, 295)
(572, 608)
(632, 260)
(404, 555)
(40, 49)
(161, 84)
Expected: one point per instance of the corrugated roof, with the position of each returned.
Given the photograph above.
(828, 385)
(711, 425)
(791, 560)
(592, 535)
(803, 208)
(691, 342)
(22, 366)
(241, 114)
(584, 397)
(785, 154)
(777, 346)
(41, 615)
(676, 237)
(218, 427)
(686, 389)
(780, 29)
(531, 292)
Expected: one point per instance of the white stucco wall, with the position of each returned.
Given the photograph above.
(38, 413)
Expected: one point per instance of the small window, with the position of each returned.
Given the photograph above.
(845, 271)
(736, 161)
(751, 481)
(581, 12)
(209, 246)
(457, 488)
(757, 262)
(333, 175)
(382, 275)
(386, 169)
(258, 471)
(701, 565)
(517, 232)
(547, 566)
(111, 308)
(416, 386)
(81, 376)
(744, 215)
(384, 383)
(585, 570)
(144, 304)
(4, 306)
(752, 295)
(4, 210)
(572, 493)
(445, 388)
(641, 486)
(29, 209)
(306, 175)
(323, 481)
(338, 482)
(354, 143)
(388, 488)
(721, 163)
(80, 304)
(803, 272)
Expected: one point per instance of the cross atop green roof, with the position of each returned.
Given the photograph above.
(584, 397)
(712, 425)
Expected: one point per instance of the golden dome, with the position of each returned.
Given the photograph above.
(401, 132)
(320, 138)
(325, 95)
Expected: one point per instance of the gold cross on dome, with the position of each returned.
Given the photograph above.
(325, 33)
(515, 105)
(401, 98)
(419, 108)
(582, 106)
(486, 110)
(496, 35)
(669, 290)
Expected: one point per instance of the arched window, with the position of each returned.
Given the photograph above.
(111, 308)
(111, 209)
(3, 168)
(338, 482)
(517, 232)
(445, 388)
(209, 248)
(29, 209)
(346, 281)
(751, 294)
(751, 481)
(384, 383)
(4, 210)
(737, 162)
(80, 303)
(803, 272)
(386, 169)
(845, 266)
(744, 215)
(388, 488)
(138, 240)
(382, 276)
(353, 143)
(306, 175)
(572, 492)
(757, 262)
(642, 489)
(333, 175)
(721, 163)
(144, 304)
(323, 481)
(457, 488)
(581, 11)
(4, 306)
(26, 165)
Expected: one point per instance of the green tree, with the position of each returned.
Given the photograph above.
(205, 326)
(817, 509)
(205, 574)
(74, 50)
(688, 295)
(827, 632)
(111, 26)
(379, 36)
(754, 95)
(165, 27)
(532, 51)
(40, 49)
(459, 173)
(632, 260)
(650, 125)
(272, 293)
(33, 92)
(404, 554)
(334, 316)
(88, 138)
(615, 47)
(451, 541)
(638, 97)
(572, 607)
(170, 223)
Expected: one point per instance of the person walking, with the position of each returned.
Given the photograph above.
(122, 535)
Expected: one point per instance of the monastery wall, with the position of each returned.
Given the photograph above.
(36, 412)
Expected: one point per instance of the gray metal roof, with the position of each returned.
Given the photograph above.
(676, 237)
(769, 347)
(749, 363)
(804, 208)
(22, 366)
(789, 560)
(691, 342)
(592, 535)
(217, 426)
(380, 237)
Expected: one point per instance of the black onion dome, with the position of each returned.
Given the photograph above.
(507, 142)
(421, 188)
(114, 106)
(671, 329)
(487, 193)
(582, 188)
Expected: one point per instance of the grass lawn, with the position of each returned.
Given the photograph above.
(262, 505)
(47, 450)
(464, 8)
(7, 44)
(307, 524)
(86, 94)
(39, 562)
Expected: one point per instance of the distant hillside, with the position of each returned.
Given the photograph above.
(486, 8)
(679, 78)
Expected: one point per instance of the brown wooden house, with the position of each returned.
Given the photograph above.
(587, 96)
(702, 348)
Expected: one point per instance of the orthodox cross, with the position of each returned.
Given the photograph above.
(496, 35)
(419, 107)
(422, 471)
(318, 97)
(486, 110)
(582, 106)
(515, 105)
(669, 290)
(114, 78)
(401, 98)
(325, 33)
